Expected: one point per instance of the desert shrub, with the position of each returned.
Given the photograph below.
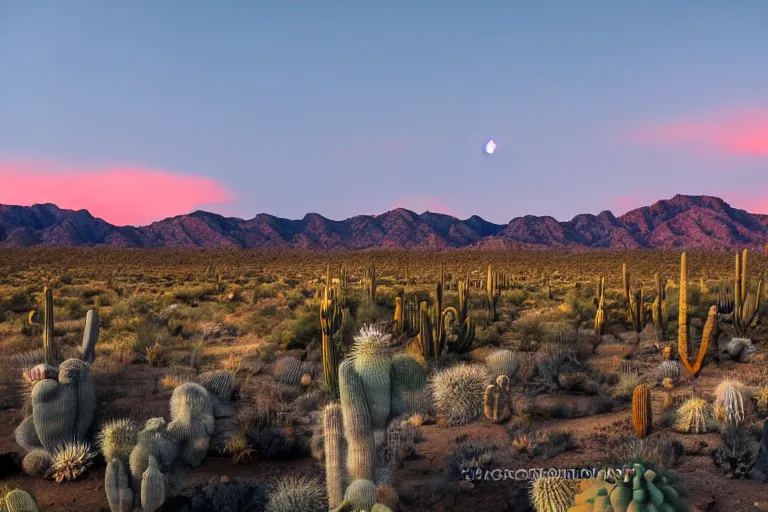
(529, 330)
(305, 329)
(658, 449)
(146, 336)
(225, 496)
(515, 297)
(272, 443)
(293, 493)
(470, 454)
(558, 441)
(738, 453)
(625, 387)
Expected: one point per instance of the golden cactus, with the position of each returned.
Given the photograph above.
(641, 410)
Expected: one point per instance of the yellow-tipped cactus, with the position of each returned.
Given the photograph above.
(695, 417)
(552, 494)
(641, 410)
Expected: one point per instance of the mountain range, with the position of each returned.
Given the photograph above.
(683, 221)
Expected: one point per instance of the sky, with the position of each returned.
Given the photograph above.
(142, 110)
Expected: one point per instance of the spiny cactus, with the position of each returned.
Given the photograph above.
(293, 493)
(599, 324)
(373, 364)
(37, 462)
(361, 494)
(330, 323)
(358, 428)
(26, 435)
(50, 348)
(70, 461)
(288, 370)
(458, 392)
(192, 422)
(641, 410)
(682, 317)
(497, 402)
(334, 448)
(643, 490)
(220, 383)
(117, 438)
(63, 411)
(492, 294)
(660, 309)
(408, 376)
(746, 306)
(695, 417)
(117, 486)
(668, 370)
(502, 362)
(732, 404)
(465, 331)
(551, 494)
(152, 487)
(20, 501)
(90, 335)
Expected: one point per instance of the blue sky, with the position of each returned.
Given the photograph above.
(356, 107)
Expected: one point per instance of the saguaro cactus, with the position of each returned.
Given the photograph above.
(50, 348)
(660, 308)
(600, 313)
(641, 410)
(90, 336)
(358, 429)
(330, 323)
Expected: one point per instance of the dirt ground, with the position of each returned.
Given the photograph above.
(420, 480)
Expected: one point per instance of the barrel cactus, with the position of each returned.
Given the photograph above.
(19, 501)
(551, 494)
(458, 393)
(695, 417)
(297, 493)
(502, 362)
(732, 402)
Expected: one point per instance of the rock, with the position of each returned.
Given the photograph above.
(740, 349)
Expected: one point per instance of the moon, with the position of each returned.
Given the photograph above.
(490, 147)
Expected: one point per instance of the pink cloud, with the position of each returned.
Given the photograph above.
(742, 132)
(420, 204)
(121, 195)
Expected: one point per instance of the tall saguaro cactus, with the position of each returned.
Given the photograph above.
(330, 323)
(660, 309)
(746, 307)
(49, 344)
(600, 313)
(492, 294)
(682, 316)
(465, 334)
(635, 300)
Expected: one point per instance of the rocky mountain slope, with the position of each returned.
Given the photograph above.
(680, 222)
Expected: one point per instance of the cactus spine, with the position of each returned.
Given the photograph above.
(552, 494)
(641, 410)
(20, 501)
(49, 344)
(330, 323)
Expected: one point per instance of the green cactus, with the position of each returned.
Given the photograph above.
(26, 435)
(551, 494)
(373, 364)
(361, 494)
(152, 487)
(37, 462)
(640, 490)
(90, 336)
(153, 440)
(660, 309)
(358, 428)
(502, 362)
(20, 501)
(408, 376)
(220, 383)
(330, 323)
(458, 393)
(54, 409)
(117, 438)
(192, 422)
(50, 348)
(334, 447)
(117, 486)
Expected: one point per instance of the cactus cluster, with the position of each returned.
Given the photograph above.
(746, 305)
(62, 412)
(640, 489)
(373, 387)
(497, 401)
(146, 466)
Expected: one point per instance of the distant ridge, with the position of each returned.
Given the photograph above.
(683, 221)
